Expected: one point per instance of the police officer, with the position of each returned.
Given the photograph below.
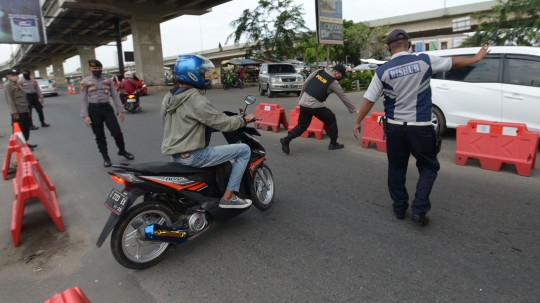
(405, 83)
(317, 87)
(18, 106)
(96, 110)
(34, 97)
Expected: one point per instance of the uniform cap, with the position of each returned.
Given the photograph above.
(94, 63)
(13, 71)
(394, 36)
(340, 68)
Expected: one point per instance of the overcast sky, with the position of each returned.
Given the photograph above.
(193, 33)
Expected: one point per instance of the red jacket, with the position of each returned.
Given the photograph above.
(129, 86)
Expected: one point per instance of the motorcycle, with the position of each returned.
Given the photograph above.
(207, 84)
(233, 82)
(131, 103)
(179, 203)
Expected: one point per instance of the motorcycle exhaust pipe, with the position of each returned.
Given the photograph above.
(161, 233)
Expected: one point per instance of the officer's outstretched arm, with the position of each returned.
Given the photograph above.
(459, 62)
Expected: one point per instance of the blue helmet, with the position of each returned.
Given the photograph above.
(192, 69)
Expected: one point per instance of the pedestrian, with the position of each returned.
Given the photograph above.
(97, 110)
(34, 97)
(18, 105)
(405, 83)
(242, 73)
(317, 87)
(166, 79)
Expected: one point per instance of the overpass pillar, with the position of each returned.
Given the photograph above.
(147, 48)
(42, 68)
(86, 53)
(58, 68)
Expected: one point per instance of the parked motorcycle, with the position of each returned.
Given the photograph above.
(233, 82)
(179, 202)
(131, 103)
(207, 84)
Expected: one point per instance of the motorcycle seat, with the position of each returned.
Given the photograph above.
(164, 168)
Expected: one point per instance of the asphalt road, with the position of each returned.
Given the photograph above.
(330, 237)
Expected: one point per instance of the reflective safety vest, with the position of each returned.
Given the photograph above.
(317, 87)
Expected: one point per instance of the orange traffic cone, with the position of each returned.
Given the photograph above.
(17, 131)
(70, 91)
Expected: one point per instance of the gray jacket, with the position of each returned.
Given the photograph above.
(186, 117)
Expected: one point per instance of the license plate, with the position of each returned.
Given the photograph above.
(131, 100)
(116, 202)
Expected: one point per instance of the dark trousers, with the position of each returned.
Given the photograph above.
(25, 124)
(101, 113)
(33, 100)
(401, 142)
(322, 113)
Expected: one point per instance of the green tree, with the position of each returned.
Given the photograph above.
(220, 47)
(271, 29)
(306, 48)
(511, 22)
(361, 39)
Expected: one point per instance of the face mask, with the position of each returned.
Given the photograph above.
(97, 73)
(27, 77)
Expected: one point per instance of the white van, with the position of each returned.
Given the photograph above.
(504, 86)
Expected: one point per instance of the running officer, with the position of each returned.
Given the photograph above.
(317, 87)
(96, 110)
(405, 84)
(34, 97)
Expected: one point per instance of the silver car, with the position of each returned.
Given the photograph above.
(279, 78)
(48, 87)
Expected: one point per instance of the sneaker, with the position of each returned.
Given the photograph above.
(235, 203)
(336, 145)
(422, 219)
(284, 145)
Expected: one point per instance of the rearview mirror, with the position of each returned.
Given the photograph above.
(250, 99)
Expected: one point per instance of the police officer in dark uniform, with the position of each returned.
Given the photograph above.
(405, 84)
(97, 110)
(18, 106)
(315, 90)
(34, 97)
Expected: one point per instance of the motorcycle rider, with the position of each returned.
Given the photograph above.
(189, 118)
(130, 86)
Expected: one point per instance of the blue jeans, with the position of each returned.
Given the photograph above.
(401, 142)
(212, 156)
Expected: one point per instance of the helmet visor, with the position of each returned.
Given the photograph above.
(206, 66)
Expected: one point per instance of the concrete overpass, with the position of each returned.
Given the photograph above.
(437, 22)
(77, 27)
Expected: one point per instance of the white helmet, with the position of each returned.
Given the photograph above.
(128, 74)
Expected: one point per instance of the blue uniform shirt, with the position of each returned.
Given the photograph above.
(404, 82)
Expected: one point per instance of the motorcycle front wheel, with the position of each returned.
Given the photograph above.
(225, 86)
(128, 242)
(263, 196)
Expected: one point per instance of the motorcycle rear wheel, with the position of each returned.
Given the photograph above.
(128, 244)
(225, 86)
(263, 198)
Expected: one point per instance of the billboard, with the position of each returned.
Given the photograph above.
(329, 21)
(21, 22)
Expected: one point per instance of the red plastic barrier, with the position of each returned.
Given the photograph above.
(13, 146)
(29, 183)
(28, 156)
(71, 295)
(495, 143)
(316, 126)
(272, 115)
(373, 132)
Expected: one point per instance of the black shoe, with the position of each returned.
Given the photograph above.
(421, 219)
(126, 155)
(32, 145)
(336, 145)
(284, 145)
(45, 125)
(107, 163)
(33, 127)
(399, 216)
